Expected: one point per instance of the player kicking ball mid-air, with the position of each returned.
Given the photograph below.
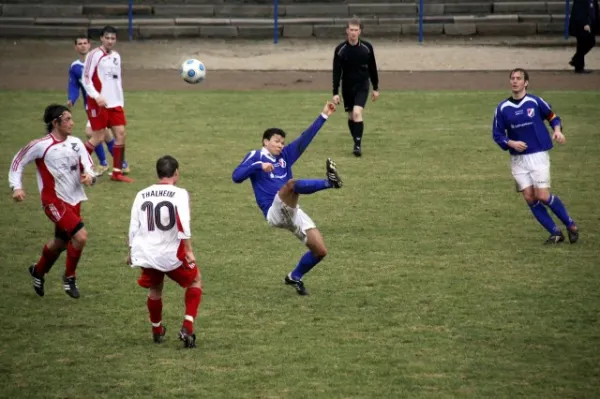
(277, 192)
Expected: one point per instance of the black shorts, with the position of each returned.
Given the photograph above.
(355, 96)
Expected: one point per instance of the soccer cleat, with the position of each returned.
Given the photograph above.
(159, 337)
(189, 340)
(118, 176)
(297, 284)
(125, 168)
(357, 151)
(555, 239)
(573, 236)
(38, 281)
(332, 174)
(70, 286)
(100, 170)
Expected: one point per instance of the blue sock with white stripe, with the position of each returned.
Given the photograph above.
(99, 150)
(541, 214)
(309, 186)
(557, 206)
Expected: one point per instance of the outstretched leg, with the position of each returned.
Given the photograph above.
(291, 191)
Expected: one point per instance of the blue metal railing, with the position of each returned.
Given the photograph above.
(276, 20)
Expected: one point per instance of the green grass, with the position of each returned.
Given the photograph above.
(436, 283)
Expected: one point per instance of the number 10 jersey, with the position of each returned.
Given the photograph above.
(160, 220)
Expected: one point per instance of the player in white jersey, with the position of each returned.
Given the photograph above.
(75, 86)
(102, 81)
(63, 167)
(160, 244)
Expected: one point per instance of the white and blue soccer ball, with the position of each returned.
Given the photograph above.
(192, 71)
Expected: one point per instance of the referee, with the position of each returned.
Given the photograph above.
(354, 63)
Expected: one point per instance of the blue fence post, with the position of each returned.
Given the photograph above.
(567, 12)
(275, 21)
(421, 21)
(130, 16)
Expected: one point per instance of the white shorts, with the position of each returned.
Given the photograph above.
(88, 124)
(293, 219)
(531, 170)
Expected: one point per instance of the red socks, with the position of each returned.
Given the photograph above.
(89, 147)
(193, 297)
(118, 156)
(155, 309)
(73, 255)
(46, 261)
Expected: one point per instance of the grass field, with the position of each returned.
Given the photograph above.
(436, 284)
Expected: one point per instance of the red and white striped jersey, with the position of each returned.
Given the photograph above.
(59, 166)
(102, 77)
(160, 219)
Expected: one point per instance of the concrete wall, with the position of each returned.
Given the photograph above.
(300, 18)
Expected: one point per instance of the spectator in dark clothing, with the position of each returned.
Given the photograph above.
(584, 24)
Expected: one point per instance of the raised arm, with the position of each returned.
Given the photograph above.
(294, 150)
(499, 130)
(250, 164)
(373, 69)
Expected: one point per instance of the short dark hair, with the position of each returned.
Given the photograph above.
(52, 113)
(166, 166)
(354, 21)
(274, 131)
(77, 38)
(108, 29)
(523, 71)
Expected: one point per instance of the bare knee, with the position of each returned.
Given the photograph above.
(529, 195)
(56, 245)
(155, 291)
(197, 282)
(542, 195)
(80, 238)
(357, 115)
(119, 132)
(316, 244)
(319, 251)
(288, 187)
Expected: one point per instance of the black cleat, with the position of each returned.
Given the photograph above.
(38, 281)
(189, 340)
(297, 284)
(332, 174)
(357, 151)
(159, 338)
(555, 239)
(573, 236)
(70, 286)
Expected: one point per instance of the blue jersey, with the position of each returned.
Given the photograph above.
(523, 120)
(266, 185)
(75, 85)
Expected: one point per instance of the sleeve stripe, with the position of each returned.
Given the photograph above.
(24, 151)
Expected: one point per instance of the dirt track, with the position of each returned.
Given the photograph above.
(302, 65)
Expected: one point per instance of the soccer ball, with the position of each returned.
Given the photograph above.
(192, 71)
